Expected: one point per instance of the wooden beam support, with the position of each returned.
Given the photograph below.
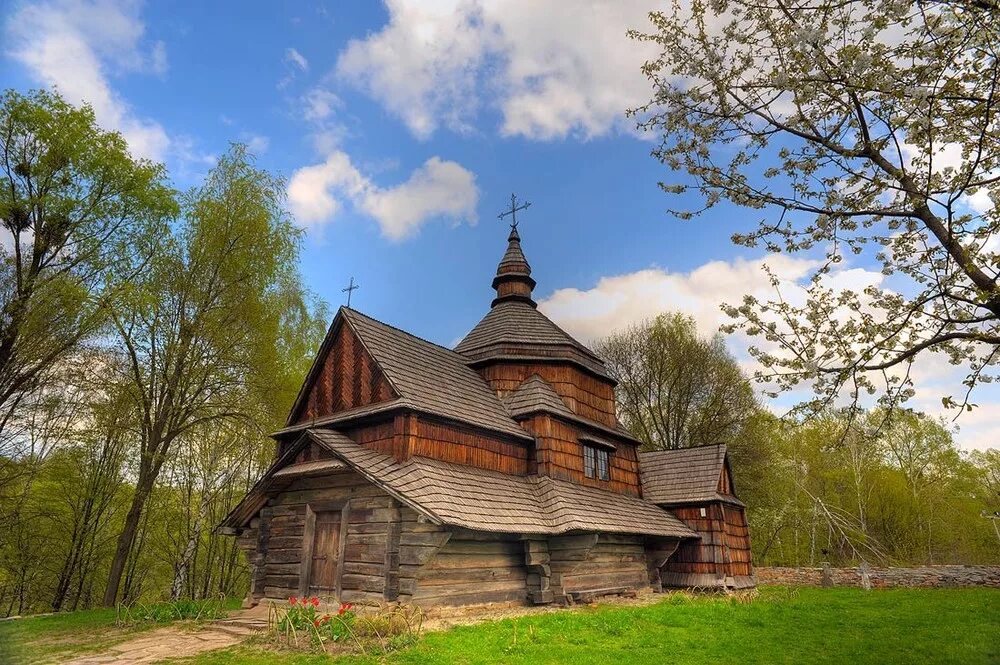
(305, 562)
(536, 561)
(391, 590)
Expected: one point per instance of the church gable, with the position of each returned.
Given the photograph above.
(344, 376)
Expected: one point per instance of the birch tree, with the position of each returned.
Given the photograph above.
(202, 328)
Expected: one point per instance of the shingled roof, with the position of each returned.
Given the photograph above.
(427, 378)
(478, 499)
(516, 329)
(533, 395)
(684, 475)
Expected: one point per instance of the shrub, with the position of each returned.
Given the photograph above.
(303, 624)
(206, 609)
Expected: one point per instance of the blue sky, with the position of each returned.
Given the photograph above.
(403, 129)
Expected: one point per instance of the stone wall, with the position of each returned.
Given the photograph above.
(920, 576)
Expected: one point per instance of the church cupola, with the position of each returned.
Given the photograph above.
(513, 281)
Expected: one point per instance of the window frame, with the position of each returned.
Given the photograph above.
(596, 462)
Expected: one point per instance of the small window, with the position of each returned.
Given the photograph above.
(596, 463)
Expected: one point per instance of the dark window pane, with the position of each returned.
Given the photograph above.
(589, 462)
(602, 464)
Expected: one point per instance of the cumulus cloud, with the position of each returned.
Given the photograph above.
(437, 189)
(552, 72)
(73, 45)
(620, 300)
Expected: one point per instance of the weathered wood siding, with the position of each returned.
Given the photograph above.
(724, 549)
(471, 569)
(346, 377)
(737, 538)
(559, 454)
(380, 436)
(615, 561)
(466, 446)
(370, 516)
(585, 394)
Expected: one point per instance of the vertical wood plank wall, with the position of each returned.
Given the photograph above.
(584, 394)
(347, 377)
(724, 549)
(737, 536)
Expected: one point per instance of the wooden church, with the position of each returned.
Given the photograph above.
(492, 472)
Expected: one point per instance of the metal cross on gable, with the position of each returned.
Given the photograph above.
(350, 290)
(514, 208)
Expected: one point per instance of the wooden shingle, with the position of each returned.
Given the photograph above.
(482, 500)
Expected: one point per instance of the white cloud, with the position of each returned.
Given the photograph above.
(551, 71)
(438, 188)
(294, 57)
(319, 104)
(618, 301)
(72, 45)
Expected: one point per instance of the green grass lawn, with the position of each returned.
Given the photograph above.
(845, 626)
(781, 626)
(56, 637)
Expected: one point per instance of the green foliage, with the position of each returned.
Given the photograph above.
(77, 207)
(376, 631)
(889, 487)
(214, 333)
(184, 609)
(675, 388)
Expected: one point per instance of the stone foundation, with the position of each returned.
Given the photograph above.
(884, 578)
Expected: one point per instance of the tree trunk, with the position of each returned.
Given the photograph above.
(184, 563)
(126, 539)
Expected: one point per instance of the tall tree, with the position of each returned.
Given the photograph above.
(676, 389)
(202, 329)
(865, 127)
(73, 203)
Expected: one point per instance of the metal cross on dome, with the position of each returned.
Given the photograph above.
(514, 207)
(349, 290)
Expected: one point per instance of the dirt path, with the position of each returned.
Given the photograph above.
(162, 644)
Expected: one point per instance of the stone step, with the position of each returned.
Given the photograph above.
(241, 626)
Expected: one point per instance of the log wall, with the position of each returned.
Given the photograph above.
(370, 515)
(585, 394)
(615, 561)
(388, 552)
(470, 569)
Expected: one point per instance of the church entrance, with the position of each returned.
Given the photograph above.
(325, 554)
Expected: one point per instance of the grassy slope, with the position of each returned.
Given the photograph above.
(57, 636)
(782, 626)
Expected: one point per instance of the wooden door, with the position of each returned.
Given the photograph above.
(325, 550)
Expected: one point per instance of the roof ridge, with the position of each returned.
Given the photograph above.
(458, 356)
(701, 446)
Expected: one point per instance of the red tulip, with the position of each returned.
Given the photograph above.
(292, 600)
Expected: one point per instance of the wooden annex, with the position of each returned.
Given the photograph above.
(494, 472)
